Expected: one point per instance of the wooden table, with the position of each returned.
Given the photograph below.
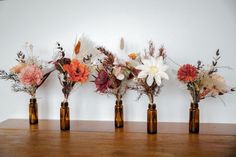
(99, 138)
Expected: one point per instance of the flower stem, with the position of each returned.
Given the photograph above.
(118, 96)
(150, 97)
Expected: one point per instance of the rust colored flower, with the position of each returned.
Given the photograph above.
(77, 48)
(132, 56)
(102, 81)
(187, 73)
(77, 71)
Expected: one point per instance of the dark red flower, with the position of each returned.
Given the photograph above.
(102, 81)
(187, 73)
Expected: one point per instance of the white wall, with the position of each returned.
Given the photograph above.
(190, 30)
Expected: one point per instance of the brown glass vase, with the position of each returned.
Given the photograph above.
(64, 116)
(152, 119)
(194, 118)
(119, 122)
(33, 111)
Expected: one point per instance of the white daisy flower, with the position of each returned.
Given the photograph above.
(153, 69)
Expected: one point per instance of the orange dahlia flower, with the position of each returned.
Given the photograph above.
(77, 71)
(187, 73)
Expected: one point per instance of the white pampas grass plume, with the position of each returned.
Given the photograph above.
(88, 52)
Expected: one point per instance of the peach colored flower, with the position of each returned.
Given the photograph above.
(118, 72)
(31, 75)
(17, 69)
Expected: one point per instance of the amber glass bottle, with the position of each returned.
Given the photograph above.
(33, 111)
(119, 122)
(64, 116)
(152, 119)
(194, 118)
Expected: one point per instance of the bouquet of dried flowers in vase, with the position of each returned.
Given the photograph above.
(113, 76)
(27, 76)
(201, 83)
(73, 71)
(148, 81)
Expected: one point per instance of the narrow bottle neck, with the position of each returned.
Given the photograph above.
(33, 100)
(118, 102)
(194, 105)
(152, 106)
(64, 104)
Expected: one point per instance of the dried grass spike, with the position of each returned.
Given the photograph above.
(122, 44)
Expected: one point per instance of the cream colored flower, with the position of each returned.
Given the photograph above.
(118, 73)
(17, 69)
(153, 69)
(215, 83)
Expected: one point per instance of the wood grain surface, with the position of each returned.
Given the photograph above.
(91, 138)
